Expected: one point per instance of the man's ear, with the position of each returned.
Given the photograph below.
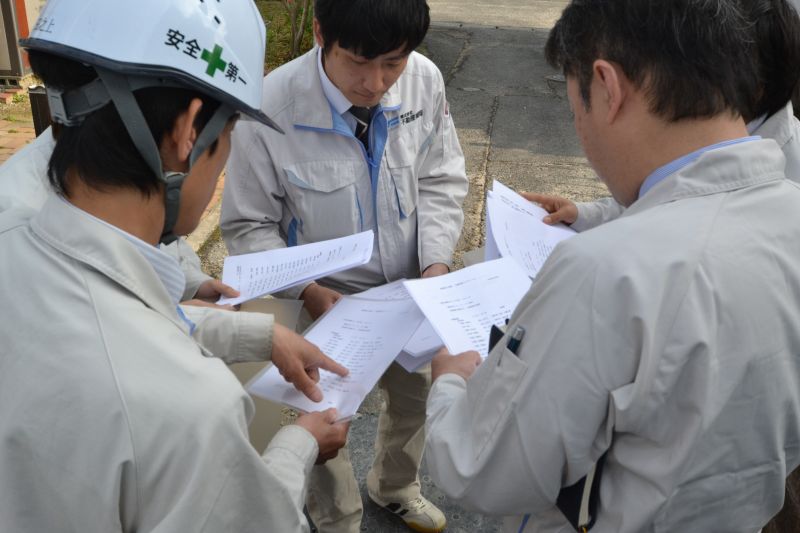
(318, 33)
(611, 86)
(183, 133)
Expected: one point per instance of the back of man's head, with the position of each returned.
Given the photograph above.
(370, 28)
(692, 58)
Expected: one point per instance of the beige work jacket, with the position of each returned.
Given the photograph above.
(111, 417)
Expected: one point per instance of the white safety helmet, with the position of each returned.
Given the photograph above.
(215, 47)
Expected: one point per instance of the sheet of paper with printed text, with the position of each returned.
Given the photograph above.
(261, 273)
(424, 343)
(514, 228)
(463, 305)
(363, 335)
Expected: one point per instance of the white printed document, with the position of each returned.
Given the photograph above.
(514, 229)
(260, 273)
(364, 336)
(424, 343)
(462, 306)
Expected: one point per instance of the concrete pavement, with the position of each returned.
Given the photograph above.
(512, 116)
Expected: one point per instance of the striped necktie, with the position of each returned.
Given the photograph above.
(362, 116)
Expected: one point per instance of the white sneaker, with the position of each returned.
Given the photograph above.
(419, 514)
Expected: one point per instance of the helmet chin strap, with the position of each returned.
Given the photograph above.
(120, 91)
(173, 181)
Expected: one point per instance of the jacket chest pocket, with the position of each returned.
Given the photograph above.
(404, 156)
(323, 198)
(491, 393)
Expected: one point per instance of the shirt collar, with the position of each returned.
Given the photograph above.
(166, 267)
(676, 165)
(338, 101)
(753, 125)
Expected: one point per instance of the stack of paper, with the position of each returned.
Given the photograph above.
(463, 305)
(514, 229)
(261, 273)
(364, 336)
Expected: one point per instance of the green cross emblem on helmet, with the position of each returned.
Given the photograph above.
(214, 60)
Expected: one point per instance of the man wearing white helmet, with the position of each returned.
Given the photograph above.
(24, 182)
(234, 337)
(111, 417)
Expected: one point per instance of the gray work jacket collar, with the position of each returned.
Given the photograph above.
(721, 170)
(779, 126)
(105, 250)
(311, 107)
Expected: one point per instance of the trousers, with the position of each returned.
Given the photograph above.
(334, 499)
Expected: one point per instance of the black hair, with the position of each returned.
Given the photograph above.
(776, 32)
(692, 58)
(370, 28)
(100, 149)
(796, 101)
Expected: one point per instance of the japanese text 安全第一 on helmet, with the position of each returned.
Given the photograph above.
(215, 47)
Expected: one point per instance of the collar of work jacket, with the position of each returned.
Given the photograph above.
(782, 126)
(101, 248)
(721, 170)
(311, 107)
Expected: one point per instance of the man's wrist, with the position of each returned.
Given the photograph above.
(305, 292)
(445, 265)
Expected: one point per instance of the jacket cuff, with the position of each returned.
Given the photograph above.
(296, 441)
(593, 214)
(447, 384)
(429, 259)
(254, 337)
(585, 211)
(193, 281)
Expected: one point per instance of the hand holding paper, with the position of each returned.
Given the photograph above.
(514, 228)
(560, 209)
(261, 273)
(463, 364)
(462, 306)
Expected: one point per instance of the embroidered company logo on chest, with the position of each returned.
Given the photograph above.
(411, 116)
(406, 118)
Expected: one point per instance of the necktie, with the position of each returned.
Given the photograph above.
(362, 116)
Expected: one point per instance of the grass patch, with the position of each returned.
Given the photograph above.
(215, 237)
(279, 34)
(17, 112)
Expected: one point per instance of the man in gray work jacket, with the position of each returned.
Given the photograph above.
(663, 345)
(369, 144)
